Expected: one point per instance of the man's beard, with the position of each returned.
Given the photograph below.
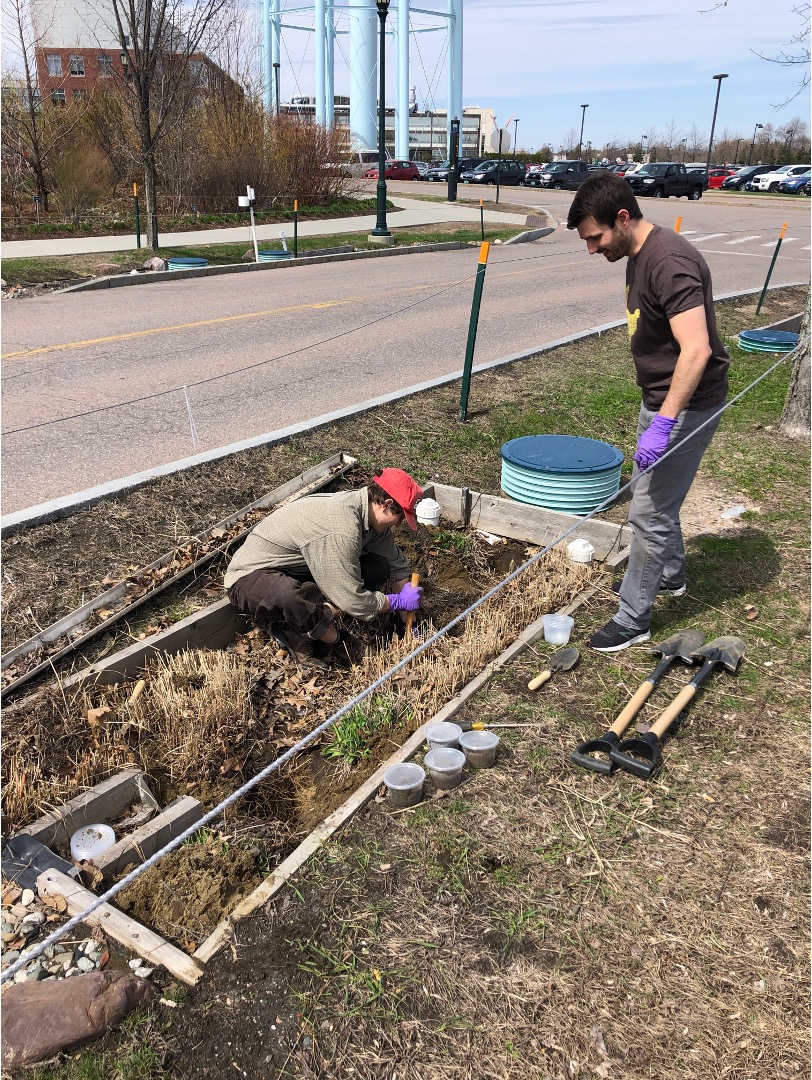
(618, 247)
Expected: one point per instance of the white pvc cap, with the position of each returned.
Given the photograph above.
(427, 511)
(91, 841)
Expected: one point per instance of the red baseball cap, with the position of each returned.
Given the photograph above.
(404, 491)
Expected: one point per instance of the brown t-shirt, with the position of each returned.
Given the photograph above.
(667, 277)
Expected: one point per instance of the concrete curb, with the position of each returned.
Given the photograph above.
(47, 512)
(346, 254)
(529, 236)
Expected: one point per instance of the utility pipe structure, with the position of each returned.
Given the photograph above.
(362, 62)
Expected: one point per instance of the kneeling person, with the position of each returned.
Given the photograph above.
(325, 554)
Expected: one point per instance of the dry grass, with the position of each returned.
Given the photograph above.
(193, 714)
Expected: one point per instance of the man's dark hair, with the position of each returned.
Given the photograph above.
(601, 197)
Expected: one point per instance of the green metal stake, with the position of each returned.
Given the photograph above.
(137, 218)
(772, 264)
(482, 220)
(296, 228)
(469, 349)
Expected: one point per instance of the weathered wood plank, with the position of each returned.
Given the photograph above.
(535, 524)
(120, 927)
(213, 627)
(142, 843)
(100, 803)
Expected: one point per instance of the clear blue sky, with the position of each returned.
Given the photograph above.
(638, 64)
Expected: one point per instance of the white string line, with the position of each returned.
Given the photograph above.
(52, 938)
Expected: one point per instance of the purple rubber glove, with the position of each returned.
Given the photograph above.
(408, 599)
(653, 443)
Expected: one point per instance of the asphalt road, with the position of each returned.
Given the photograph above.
(259, 352)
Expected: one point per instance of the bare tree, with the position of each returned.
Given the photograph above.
(29, 131)
(162, 39)
(795, 418)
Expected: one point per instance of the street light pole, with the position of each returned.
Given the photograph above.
(581, 136)
(515, 136)
(736, 156)
(718, 79)
(643, 139)
(430, 114)
(380, 221)
(791, 134)
(684, 145)
(753, 143)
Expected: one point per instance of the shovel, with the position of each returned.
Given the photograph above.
(563, 660)
(680, 646)
(642, 755)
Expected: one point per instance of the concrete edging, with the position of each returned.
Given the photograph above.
(343, 254)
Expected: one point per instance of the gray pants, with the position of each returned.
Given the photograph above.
(657, 552)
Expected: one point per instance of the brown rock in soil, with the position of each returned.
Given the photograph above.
(108, 269)
(42, 1018)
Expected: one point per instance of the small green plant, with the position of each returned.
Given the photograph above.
(448, 540)
(349, 736)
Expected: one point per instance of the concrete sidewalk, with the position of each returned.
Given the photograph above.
(411, 212)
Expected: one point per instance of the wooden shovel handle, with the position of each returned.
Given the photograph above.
(638, 700)
(669, 714)
(539, 680)
(410, 616)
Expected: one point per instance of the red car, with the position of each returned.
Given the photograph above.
(395, 170)
(717, 176)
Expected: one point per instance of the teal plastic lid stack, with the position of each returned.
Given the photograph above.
(767, 341)
(568, 473)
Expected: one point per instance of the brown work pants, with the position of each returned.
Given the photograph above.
(299, 601)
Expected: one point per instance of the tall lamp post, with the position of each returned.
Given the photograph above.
(718, 79)
(753, 143)
(380, 221)
(430, 115)
(515, 136)
(581, 136)
(684, 145)
(643, 141)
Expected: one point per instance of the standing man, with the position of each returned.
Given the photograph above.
(682, 370)
(325, 554)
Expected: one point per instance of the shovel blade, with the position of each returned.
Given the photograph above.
(684, 645)
(563, 660)
(727, 651)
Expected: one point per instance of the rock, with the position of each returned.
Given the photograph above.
(35, 972)
(84, 963)
(33, 918)
(136, 963)
(107, 269)
(249, 256)
(77, 1013)
(155, 263)
(27, 899)
(10, 956)
(144, 972)
(2, 284)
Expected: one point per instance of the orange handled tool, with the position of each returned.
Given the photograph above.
(410, 616)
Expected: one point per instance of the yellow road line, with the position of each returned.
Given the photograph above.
(320, 305)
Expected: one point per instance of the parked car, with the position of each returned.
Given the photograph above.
(796, 184)
(564, 174)
(740, 179)
(355, 163)
(626, 166)
(532, 174)
(769, 181)
(440, 172)
(422, 168)
(508, 172)
(717, 176)
(395, 170)
(661, 179)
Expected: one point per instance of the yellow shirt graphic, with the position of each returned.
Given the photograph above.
(631, 316)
